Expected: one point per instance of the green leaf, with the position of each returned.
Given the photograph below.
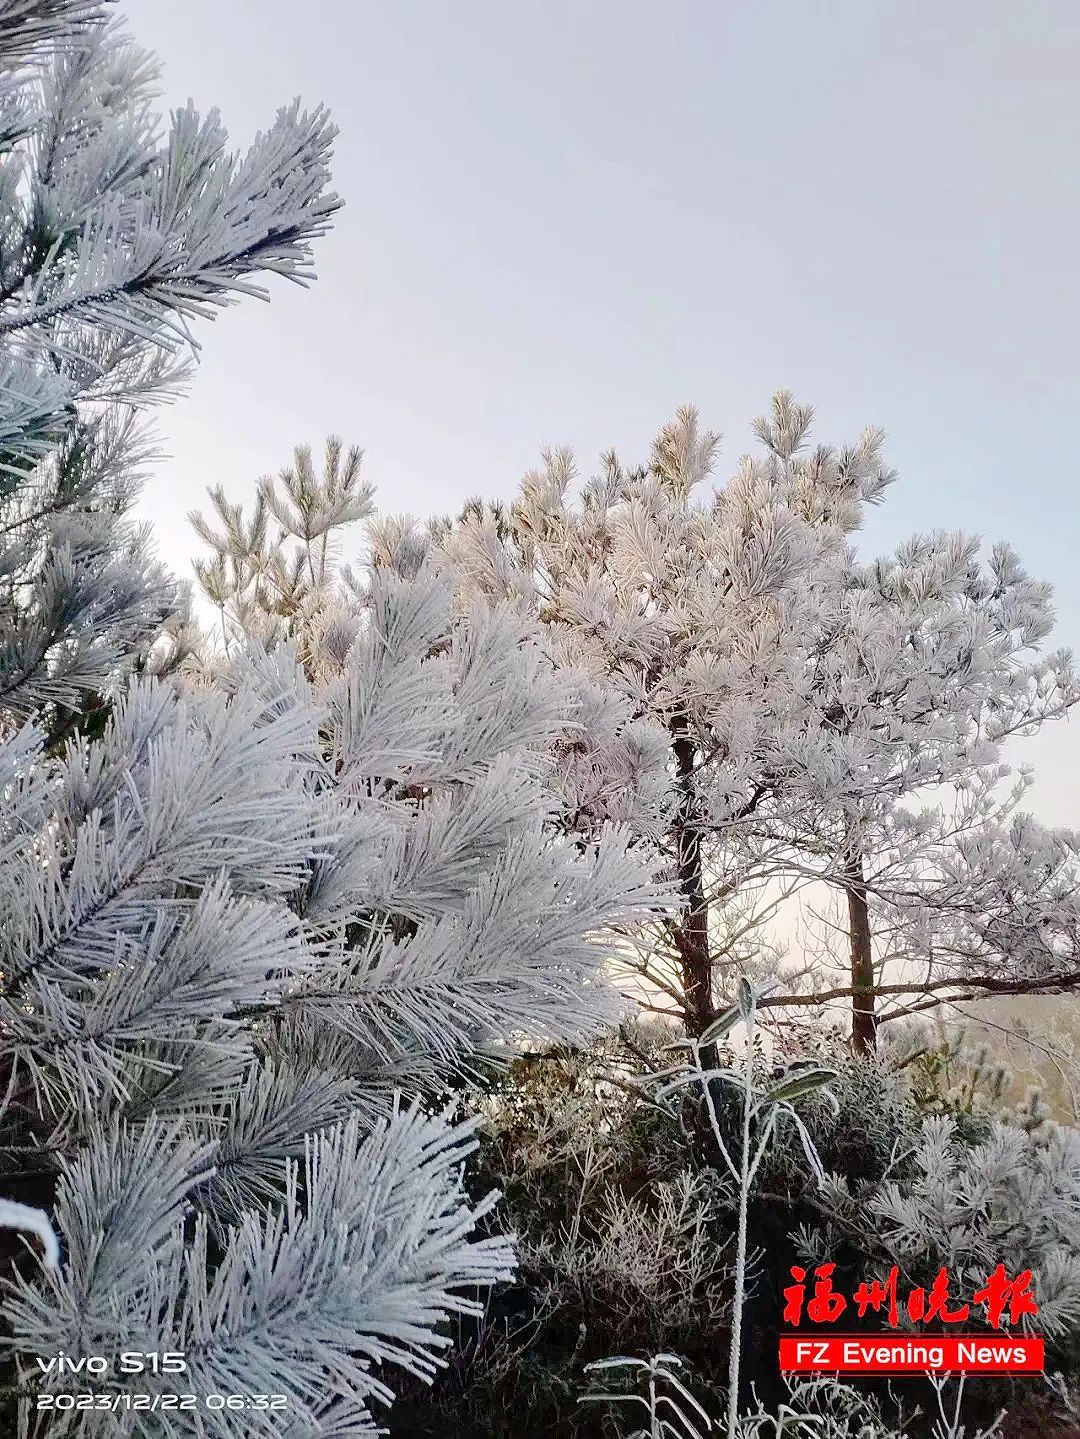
(719, 1027)
(745, 998)
(803, 1081)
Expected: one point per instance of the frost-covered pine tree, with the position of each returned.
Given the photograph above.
(913, 671)
(255, 920)
(114, 238)
(809, 707)
(920, 667)
(678, 598)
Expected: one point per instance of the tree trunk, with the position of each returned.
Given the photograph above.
(692, 933)
(863, 1018)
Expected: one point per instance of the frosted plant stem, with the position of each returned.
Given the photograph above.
(740, 1241)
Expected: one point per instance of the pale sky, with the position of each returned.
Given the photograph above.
(565, 219)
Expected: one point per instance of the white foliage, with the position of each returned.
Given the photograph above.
(824, 719)
(112, 238)
(1010, 1197)
(243, 911)
(246, 876)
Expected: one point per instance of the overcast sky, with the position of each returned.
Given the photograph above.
(563, 220)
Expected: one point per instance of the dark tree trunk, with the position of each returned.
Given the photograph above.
(863, 1017)
(692, 931)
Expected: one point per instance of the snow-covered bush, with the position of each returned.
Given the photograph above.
(574, 1141)
(654, 1399)
(623, 1242)
(1009, 1196)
